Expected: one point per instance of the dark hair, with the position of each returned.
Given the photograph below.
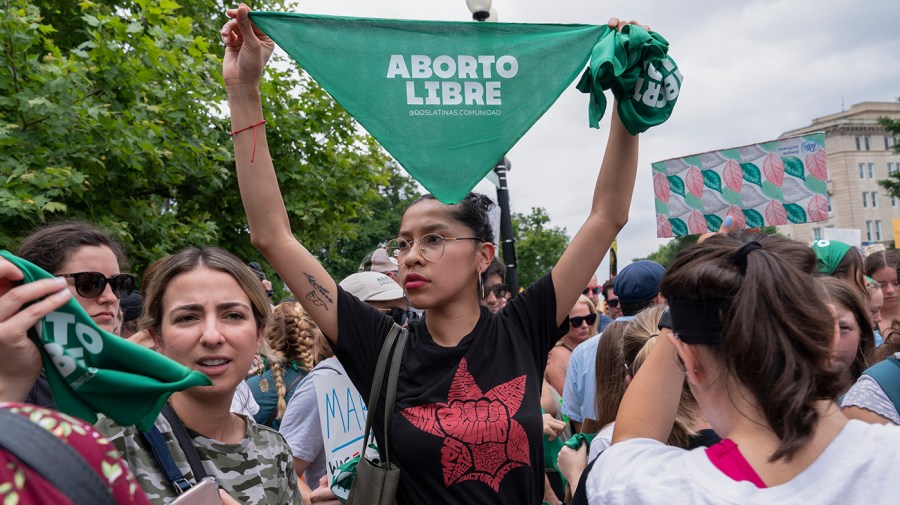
(776, 335)
(850, 269)
(608, 286)
(610, 375)
(891, 343)
(632, 309)
(50, 247)
(472, 212)
(877, 261)
(848, 297)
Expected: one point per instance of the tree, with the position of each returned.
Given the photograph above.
(892, 183)
(538, 246)
(114, 113)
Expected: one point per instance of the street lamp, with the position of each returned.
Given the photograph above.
(480, 9)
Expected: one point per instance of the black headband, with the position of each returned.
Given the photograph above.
(697, 321)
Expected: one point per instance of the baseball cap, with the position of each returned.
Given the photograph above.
(377, 261)
(372, 287)
(132, 305)
(639, 281)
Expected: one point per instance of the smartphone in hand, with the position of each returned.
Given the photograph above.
(206, 492)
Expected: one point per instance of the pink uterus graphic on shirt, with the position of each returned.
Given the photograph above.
(482, 441)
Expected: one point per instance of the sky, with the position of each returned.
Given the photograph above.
(752, 70)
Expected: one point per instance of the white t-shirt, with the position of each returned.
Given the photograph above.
(243, 401)
(300, 424)
(855, 468)
(602, 441)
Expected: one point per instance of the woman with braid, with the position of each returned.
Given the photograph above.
(291, 335)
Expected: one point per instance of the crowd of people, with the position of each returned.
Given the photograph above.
(753, 369)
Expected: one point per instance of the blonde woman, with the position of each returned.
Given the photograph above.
(582, 326)
(291, 335)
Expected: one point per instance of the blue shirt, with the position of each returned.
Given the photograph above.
(581, 379)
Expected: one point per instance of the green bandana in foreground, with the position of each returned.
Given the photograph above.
(91, 370)
(448, 100)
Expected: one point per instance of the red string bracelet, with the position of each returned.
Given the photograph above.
(253, 127)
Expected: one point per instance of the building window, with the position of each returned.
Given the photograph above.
(828, 196)
(868, 231)
(817, 233)
(865, 200)
(857, 143)
(866, 139)
(871, 170)
(878, 230)
(893, 201)
(862, 170)
(890, 167)
(874, 199)
(886, 145)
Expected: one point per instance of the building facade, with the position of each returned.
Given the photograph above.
(859, 153)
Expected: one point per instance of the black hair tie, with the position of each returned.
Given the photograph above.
(740, 257)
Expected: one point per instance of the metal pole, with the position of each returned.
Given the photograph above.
(507, 241)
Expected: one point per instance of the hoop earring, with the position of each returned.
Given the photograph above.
(481, 285)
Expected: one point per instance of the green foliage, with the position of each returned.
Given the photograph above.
(114, 113)
(538, 246)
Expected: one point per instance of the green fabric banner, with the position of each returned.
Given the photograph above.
(449, 99)
(91, 370)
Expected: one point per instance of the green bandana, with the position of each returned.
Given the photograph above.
(91, 370)
(828, 254)
(448, 100)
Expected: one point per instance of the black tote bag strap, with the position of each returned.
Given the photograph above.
(56, 461)
(396, 338)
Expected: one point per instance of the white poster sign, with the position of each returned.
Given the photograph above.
(342, 414)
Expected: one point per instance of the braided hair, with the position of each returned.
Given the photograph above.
(292, 336)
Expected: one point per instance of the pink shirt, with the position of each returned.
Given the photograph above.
(728, 459)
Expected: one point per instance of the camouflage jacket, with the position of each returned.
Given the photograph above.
(259, 470)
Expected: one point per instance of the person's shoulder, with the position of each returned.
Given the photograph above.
(638, 463)
(265, 438)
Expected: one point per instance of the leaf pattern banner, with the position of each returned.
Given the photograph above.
(768, 184)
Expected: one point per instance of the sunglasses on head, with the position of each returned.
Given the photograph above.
(575, 322)
(397, 314)
(91, 284)
(613, 302)
(595, 290)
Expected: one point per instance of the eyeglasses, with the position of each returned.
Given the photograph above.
(595, 290)
(576, 322)
(499, 290)
(397, 314)
(431, 246)
(613, 303)
(91, 284)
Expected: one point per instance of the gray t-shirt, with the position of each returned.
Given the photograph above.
(867, 394)
(300, 424)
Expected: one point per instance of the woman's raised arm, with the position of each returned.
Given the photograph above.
(246, 52)
(609, 213)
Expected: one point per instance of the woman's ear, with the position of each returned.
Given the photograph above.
(260, 334)
(693, 366)
(486, 252)
(156, 339)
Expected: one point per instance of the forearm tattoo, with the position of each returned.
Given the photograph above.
(319, 295)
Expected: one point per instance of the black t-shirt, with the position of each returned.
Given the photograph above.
(467, 428)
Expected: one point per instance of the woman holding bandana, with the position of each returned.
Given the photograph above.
(461, 363)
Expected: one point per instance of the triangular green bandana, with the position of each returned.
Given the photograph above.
(91, 370)
(449, 99)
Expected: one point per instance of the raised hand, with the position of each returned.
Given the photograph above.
(247, 49)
